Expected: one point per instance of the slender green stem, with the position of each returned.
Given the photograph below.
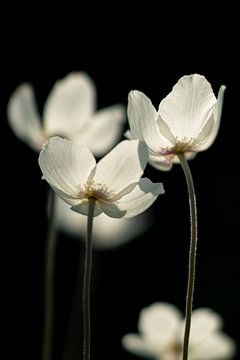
(49, 279)
(87, 283)
(192, 252)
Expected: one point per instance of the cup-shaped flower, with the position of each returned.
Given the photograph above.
(161, 335)
(187, 120)
(70, 112)
(115, 182)
(108, 232)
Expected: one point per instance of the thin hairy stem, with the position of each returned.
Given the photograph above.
(87, 283)
(192, 252)
(49, 279)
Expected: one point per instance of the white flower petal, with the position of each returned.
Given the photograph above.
(112, 209)
(160, 320)
(160, 162)
(103, 130)
(23, 117)
(66, 166)
(140, 198)
(142, 121)
(188, 106)
(69, 105)
(217, 346)
(207, 141)
(107, 232)
(204, 322)
(136, 345)
(83, 206)
(123, 166)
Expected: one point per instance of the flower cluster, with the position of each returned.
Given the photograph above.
(69, 137)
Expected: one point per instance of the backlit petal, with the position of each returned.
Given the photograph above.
(136, 345)
(142, 121)
(217, 346)
(123, 166)
(206, 142)
(65, 165)
(204, 322)
(188, 106)
(160, 162)
(107, 232)
(160, 319)
(69, 105)
(83, 206)
(103, 130)
(23, 117)
(140, 198)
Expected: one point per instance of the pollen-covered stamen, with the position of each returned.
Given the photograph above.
(96, 191)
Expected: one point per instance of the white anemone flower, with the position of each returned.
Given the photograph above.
(108, 232)
(70, 112)
(114, 182)
(161, 335)
(187, 120)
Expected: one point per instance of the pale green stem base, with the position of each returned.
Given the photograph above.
(87, 283)
(49, 280)
(192, 252)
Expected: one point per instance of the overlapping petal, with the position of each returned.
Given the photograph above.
(103, 130)
(136, 201)
(188, 106)
(206, 141)
(204, 322)
(65, 165)
(161, 330)
(69, 105)
(107, 232)
(142, 121)
(216, 346)
(23, 117)
(161, 319)
(123, 166)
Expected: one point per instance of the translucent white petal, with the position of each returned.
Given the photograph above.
(112, 209)
(69, 105)
(187, 108)
(65, 165)
(123, 166)
(142, 121)
(204, 322)
(217, 346)
(161, 320)
(107, 232)
(160, 162)
(207, 141)
(23, 117)
(140, 198)
(136, 345)
(83, 206)
(103, 130)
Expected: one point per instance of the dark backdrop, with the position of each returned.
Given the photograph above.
(121, 52)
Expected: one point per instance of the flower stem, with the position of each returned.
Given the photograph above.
(192, 252)
(49, 279)
(87, 283)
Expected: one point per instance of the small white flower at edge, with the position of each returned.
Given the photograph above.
(115, 182)
(70, 112)
(108, 232)
(161, 328)
(187, 120)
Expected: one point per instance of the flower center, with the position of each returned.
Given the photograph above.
(96, 191)
(181, 146)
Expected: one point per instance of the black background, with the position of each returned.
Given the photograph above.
(148, 50)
